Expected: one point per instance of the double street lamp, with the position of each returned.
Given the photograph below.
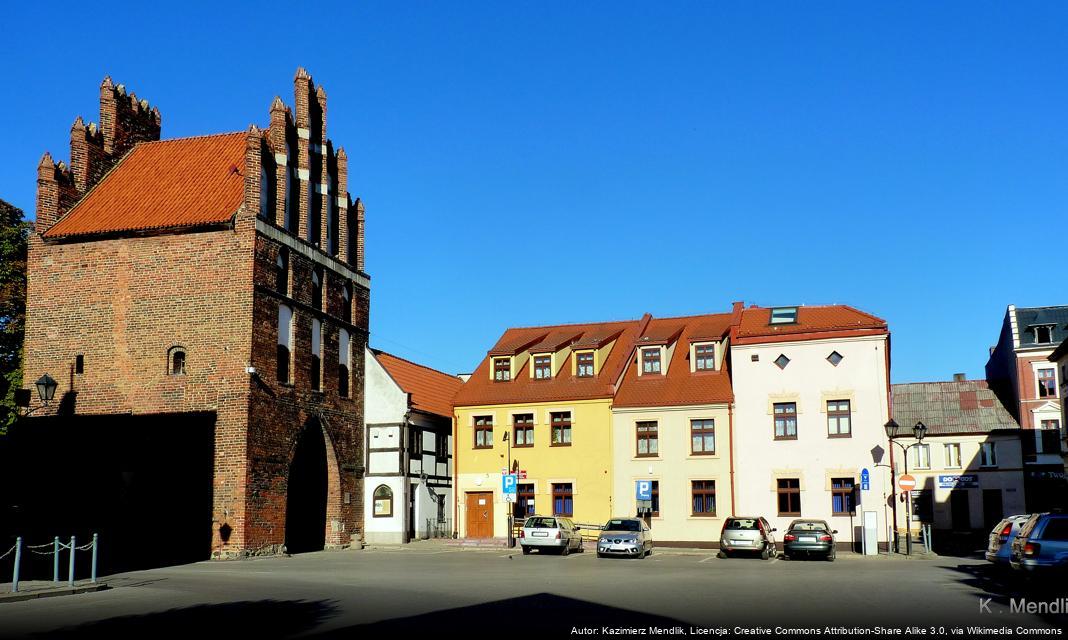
(894, 431)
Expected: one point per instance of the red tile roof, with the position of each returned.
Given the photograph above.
(812, 323)
(432, 391)
(481, 390)
(187, 182)
(678, 386)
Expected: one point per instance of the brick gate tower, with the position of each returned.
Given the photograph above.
(203, 304)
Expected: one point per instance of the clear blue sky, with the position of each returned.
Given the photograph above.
(532, 163)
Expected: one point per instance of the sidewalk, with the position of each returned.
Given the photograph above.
(31, 589)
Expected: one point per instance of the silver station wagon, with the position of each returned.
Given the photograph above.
(549, 533)
(628, 537)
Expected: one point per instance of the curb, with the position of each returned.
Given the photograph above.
(49, 593)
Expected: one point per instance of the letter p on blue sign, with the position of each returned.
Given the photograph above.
(644, 489)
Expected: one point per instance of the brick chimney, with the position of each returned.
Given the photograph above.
(959, 377)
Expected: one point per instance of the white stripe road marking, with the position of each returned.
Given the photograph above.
(707, 559)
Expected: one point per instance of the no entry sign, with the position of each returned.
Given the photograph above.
(906, 482)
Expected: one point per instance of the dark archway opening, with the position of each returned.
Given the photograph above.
(306, 493)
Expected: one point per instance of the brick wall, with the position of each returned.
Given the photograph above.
(124, 303)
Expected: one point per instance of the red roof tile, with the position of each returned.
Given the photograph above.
(432, 391)
(481, 390)
(678, 386)
(187, 182)
(832, 319)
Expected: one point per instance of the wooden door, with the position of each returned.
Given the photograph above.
(480, 514)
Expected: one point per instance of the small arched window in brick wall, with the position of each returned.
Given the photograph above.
(285, 342)
(315, 373)
(281, 271)
(176, 361)
(343, 363)
(317, 288)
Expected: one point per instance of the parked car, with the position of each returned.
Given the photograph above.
(999, 548)
(629, 537)
(750, 535)
(546, 533)
(1041, 547)
(809, 538)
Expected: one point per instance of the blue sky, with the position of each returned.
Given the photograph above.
(535, 163)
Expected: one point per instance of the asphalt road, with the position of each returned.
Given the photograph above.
(432, 590)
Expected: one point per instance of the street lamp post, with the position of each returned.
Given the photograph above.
(894, 431)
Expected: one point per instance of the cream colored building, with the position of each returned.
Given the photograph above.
(811, 388)
(671, 423)
(969, 467)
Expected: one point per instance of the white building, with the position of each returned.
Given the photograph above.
(969, 466)
(408, 482)
(811, 389)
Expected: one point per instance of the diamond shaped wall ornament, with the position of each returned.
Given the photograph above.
(782, 361)
(835, 358)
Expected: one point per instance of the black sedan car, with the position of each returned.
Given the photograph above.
(809, 538)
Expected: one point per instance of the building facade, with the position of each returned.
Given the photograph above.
(811, 390)
(408, 412)
(540, 403)
(672, 423)
(969, 466)
(1028, 384)
(203, 304)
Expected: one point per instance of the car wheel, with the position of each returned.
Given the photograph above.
(526, 551)
(565, 550)
(830, 557)
(764, 555)
(785, 556)
(600, 555)
(721, 555)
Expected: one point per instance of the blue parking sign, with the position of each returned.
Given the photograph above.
(644, 489)
(865, 480)
(508, 483)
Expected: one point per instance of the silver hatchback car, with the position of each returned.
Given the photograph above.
(625, 537)
(751, 535)
(546, 533)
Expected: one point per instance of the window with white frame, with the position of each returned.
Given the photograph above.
(502, 369)
(783, 315)
(988, 454)
(920, 455)
(543, 367)
(952, 450)
(1044, 334)
(584, 364)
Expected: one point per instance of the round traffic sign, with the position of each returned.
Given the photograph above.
(906, 482)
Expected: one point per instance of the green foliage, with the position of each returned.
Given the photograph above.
(13, 234)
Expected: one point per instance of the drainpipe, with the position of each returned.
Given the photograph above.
(730, 434)
(455, 478)
(406, 469)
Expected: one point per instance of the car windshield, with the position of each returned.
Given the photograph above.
(743, 524)
(623, 525)
(808, 525)
(540, 523)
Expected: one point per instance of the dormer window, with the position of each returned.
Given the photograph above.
(1044, 334)
(651, 360)
(502, 370)
(543, 367)
(783, 315)
(584, 364)
(704, 357)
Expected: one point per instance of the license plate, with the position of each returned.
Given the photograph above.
(807, 538)
(743, 543)
(540, 534)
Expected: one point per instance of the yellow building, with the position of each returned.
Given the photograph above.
(541, 404)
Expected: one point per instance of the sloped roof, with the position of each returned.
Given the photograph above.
(431, 390)
(678, 386)
(187, 182)
(831, 320)
(1027, 317)
(481, 390)
(967, 406)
